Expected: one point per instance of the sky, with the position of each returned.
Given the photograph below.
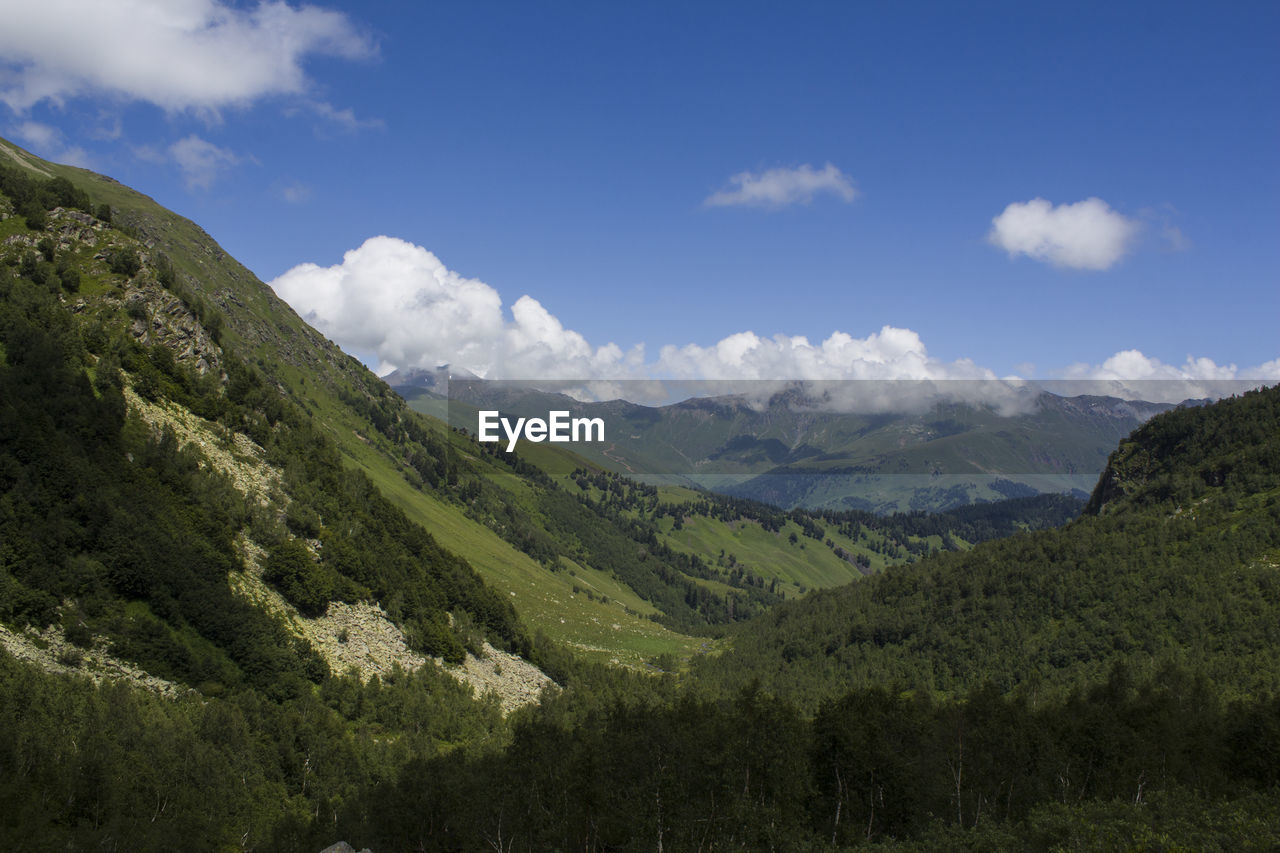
(723, 190)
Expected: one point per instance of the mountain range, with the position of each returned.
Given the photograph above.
(878, 446)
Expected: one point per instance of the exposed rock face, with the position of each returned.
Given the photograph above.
(514, 680)
(360, 637)
(162, 318)
(231, 453)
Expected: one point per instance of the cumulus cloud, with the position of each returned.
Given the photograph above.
(200, 161)
(778, 188)
(1087, 235)
(891, 353)
(1133, 364)
(398, 301)
(201, 55)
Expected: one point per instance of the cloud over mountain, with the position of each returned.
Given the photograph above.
(1087, 235)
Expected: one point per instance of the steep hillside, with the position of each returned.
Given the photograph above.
(138, 446)
(157, 282)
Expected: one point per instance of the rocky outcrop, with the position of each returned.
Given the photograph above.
(511, 678)
(160, 317)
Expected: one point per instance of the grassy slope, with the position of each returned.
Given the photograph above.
(807, 563)
(544, 599)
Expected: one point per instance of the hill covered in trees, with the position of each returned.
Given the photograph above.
(1174, 563)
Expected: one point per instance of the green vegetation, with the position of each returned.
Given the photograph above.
(99, 511)
(1176, 572)
(88, 766)
(1119, 765)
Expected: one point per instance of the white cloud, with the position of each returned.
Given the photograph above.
(398, 301)
(777, 188)
(1131, 374)
(344, 118)
(201, 55)
(1087, 235)
(1132, 364)
(891, 353)
(37, 135)
(200, 161)
(50, 144)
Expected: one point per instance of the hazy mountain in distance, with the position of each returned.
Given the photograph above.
(793, 450)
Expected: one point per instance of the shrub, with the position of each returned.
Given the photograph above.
(304, 584)
(125, 262)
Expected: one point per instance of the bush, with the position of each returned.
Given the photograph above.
(291, 569)
(35, 215)
(70, 278)
(125, 262)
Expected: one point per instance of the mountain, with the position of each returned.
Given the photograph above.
(922, 446)
(249, 599)
(195, 335)
(163, 483)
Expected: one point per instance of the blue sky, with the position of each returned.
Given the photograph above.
(930, 189)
